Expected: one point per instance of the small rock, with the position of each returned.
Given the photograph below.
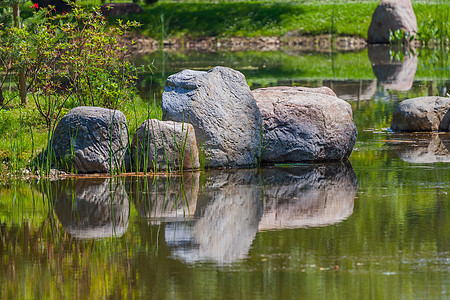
(91, 140)
(165, 145)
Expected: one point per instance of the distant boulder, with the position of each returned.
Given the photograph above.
(422, 114)
(391, 15)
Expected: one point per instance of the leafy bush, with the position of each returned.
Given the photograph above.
(69, 60)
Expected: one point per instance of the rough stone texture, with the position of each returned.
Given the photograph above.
(427, 148)
(308, 196)
(90, 133)
(91, 208)
(422, 114)
(223, 111)
(301, 126)
(228, 211)
(120, 9)
(167, 198)
(393, 74)
(292, 89)
(391, 15)
(161, 143)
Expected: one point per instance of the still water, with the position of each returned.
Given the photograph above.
(376, 227)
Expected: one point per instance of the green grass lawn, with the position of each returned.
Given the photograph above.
(265, 18)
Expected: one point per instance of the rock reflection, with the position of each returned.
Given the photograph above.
(226, 219)
(395, 73)
(168, 198)
(90, 208)
(427, 148)
(308, 196)
(353, 90)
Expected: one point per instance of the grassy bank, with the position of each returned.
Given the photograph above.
(23, 133)
(266, 18)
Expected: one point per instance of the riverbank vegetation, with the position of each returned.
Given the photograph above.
(59, 78)
(277, 18)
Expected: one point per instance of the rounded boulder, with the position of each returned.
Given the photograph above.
(223, 111)
(304, 126)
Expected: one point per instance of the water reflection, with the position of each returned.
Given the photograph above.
(168, 198)
(353, 90)
(395, 70)
(308, 196)
(227, 216)
(233, 205)
(90, 208)
(424, 148)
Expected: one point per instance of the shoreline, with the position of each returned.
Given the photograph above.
(320, 43)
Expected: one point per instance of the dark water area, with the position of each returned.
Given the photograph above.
(375, 227)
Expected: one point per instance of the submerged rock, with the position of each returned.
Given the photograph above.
(90, 208)
(164, 146)
(390, 16)
(422, 114)
(304, 126)
(91, 140)
(223, 111)
(308, 195)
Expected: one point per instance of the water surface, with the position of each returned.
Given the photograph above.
(375, 227)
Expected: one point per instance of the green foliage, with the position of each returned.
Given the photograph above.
(434, 29)
(255, 18)
(70, 59)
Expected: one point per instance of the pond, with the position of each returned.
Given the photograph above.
(375, 227)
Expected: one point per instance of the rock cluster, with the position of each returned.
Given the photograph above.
(233, 127)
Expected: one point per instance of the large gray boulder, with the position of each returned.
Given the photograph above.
(164, 146)
(223, 111)
(422, 114)
(304, 126)
(91, 140)
(391, 15)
